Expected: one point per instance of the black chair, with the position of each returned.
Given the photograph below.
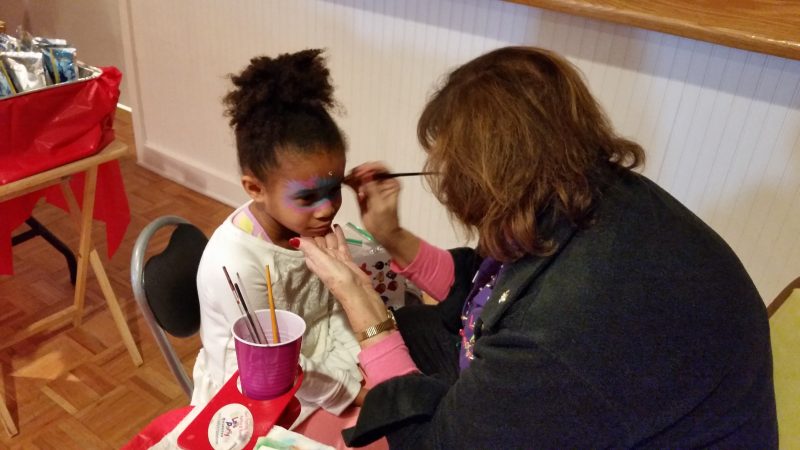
(165, 287)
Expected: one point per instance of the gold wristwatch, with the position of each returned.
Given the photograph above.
(386, 325)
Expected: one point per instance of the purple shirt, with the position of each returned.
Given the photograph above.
(482, 286)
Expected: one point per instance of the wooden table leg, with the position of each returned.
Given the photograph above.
(8, 421)
(113, 306)
(85, 243)
(84, 222)
(5, 416)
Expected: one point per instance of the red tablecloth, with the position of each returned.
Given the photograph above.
(54, 126)
(111, 207)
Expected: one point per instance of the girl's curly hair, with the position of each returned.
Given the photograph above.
(282, 104)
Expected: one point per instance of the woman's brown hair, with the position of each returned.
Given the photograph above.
(514, 133)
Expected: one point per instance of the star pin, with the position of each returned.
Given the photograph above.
(504, 296)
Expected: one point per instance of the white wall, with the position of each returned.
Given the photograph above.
(721, 126)
(91, 26)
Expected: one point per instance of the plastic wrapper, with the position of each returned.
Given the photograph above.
(8, 43)
(374, 261)
(60, 63)
(42, 42)
(6, 85)
(24, 40)
(19, 68)
(26, 70)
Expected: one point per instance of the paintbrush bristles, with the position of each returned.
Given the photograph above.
(276, 337)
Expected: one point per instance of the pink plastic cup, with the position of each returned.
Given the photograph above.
(267, 371)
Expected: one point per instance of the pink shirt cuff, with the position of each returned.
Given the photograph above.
(386, 359)
(432, 270)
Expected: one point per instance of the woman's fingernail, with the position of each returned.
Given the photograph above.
(294, 242)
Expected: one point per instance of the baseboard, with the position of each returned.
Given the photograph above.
(209, 182)
(124, 113)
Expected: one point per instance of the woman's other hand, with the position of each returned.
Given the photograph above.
(329, 258)
(362, 394)
(377, 200)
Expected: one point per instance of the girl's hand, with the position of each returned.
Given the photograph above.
(377, 200)
(329, 258)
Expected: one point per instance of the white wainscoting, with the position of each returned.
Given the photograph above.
(721, 126)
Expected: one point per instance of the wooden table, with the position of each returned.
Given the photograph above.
(87, 254)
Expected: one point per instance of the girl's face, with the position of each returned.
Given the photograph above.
(301, 195)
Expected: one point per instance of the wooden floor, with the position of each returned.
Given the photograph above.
(77, 387)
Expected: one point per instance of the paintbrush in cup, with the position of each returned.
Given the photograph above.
(276, 337)
(248, 322)
(262, 338)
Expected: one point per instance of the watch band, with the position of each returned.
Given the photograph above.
(386, 325)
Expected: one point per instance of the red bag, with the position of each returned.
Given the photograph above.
(53, 126)
(56, 125)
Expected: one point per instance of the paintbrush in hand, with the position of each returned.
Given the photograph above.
(348, 180)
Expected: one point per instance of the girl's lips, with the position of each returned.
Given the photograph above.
(321, 230)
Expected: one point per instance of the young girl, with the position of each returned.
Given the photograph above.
(292, 158)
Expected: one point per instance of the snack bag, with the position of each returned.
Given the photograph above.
(26, 70)
(60, 63)
(6, 85)
(374, 261)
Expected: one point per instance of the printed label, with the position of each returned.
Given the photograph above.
(231, 427)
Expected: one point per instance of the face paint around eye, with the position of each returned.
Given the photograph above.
(305, 195)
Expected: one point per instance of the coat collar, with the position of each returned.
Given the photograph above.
(517, 276)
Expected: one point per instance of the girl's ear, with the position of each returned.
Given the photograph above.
(253, 187)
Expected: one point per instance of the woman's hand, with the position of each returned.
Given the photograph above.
(377, 200)
(329, 258)
(362, 394)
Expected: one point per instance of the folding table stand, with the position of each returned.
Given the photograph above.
(87, 254)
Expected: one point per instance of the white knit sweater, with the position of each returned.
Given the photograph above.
(329, 351)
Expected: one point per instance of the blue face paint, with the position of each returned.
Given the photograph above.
(312, 194)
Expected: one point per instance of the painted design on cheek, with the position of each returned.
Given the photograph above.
(312, 194)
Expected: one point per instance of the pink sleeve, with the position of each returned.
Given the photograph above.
(386, 359)
(432, 270)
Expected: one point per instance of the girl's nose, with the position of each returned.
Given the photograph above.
(325, 211)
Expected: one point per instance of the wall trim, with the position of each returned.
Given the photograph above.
(204, 180)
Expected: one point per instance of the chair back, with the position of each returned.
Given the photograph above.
(165, 287)
(784, 324)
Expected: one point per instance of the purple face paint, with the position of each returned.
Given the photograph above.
(312, 194)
